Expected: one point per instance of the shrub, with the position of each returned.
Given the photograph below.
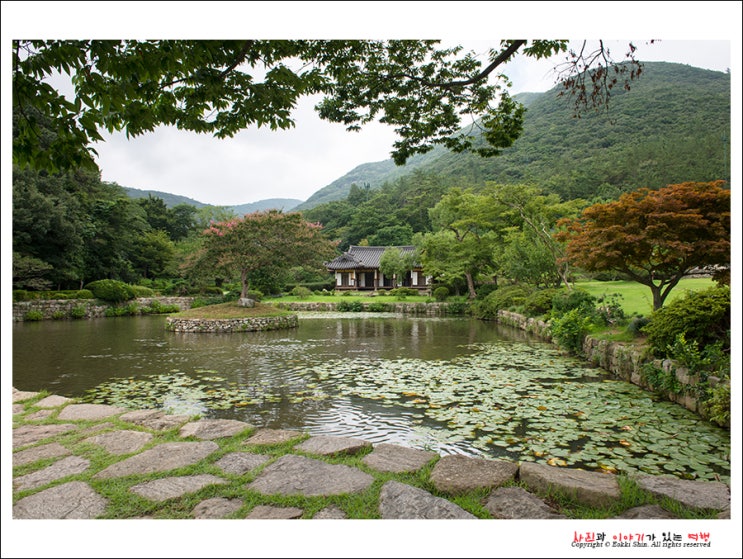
(486, 289)
(457, 308)
(350, 306)
(441, 293)
(403, 291)
(59, 315)
(504, 298)
(211, 290)
(570, 329)
(79, 311)
(301, 292)
(23, 295)
(539, 303)
(376, 307)
(142, 291)
(702, 317)
(565, 301)
(113, 291)
(255, 295)
(609, 309)
(636, 324)
(717, 404)
(33, 316)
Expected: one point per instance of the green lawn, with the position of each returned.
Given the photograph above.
(637, 298)
(364, 297)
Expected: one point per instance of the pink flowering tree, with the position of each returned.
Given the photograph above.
(267, 240)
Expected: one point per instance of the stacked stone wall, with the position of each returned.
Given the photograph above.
(87, 308)
(228, 325)
(625, 361)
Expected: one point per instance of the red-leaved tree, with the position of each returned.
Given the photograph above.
(654, 237)
(268, 240)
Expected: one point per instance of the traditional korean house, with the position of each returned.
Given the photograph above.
(358, 270)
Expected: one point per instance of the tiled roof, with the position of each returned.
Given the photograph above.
(362, 257)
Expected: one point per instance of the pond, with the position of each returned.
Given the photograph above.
(452, 385)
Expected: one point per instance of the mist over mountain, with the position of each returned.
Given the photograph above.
(285, 204)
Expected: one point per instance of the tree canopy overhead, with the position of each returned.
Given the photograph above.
(222, 87)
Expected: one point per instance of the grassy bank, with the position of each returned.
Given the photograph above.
(636, 298)
(231, 310)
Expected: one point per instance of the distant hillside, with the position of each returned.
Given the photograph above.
(285, 204)
(672, 126)
(169, 199)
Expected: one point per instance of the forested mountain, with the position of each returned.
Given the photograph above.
(172, 200)
(169, 199)
(672, 126)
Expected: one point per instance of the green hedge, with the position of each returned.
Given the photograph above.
(20, 295)
(113, 291)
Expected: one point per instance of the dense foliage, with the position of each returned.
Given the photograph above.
(701, 317)
(654, 237)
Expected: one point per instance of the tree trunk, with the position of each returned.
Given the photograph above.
(470, 285)
(244, 283)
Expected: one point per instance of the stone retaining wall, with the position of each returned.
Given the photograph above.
(428, 309)
(87, 308)
(623, 360)
(220, 325)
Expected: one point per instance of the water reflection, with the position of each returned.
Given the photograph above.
(445, 384)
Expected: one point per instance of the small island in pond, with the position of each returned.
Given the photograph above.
(231, 317)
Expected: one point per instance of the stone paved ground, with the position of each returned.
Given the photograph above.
(56, 454)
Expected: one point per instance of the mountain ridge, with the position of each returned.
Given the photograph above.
(672, 103)
(170, 200)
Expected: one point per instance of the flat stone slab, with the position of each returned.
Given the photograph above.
(171, 487)
(692, 493)
(41, 414)
(209, 429)
(18, 408)
(89, 412)
(518, 503)
(397, 459)
(273, 436)
(154, 419)
(21, 395)
(69, 500)
(239, 463)
(646, 511)
(299, 475)
(328, 446)
(401, 501)
(36, 453)
(121, 442)
(456, 474)
(164, 457)
(30, 434)
(217, 507)
(52, 402)
(330, 513)
(68, 466)
(591, 488)
(275, 513)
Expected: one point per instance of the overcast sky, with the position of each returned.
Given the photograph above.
(259, 163)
